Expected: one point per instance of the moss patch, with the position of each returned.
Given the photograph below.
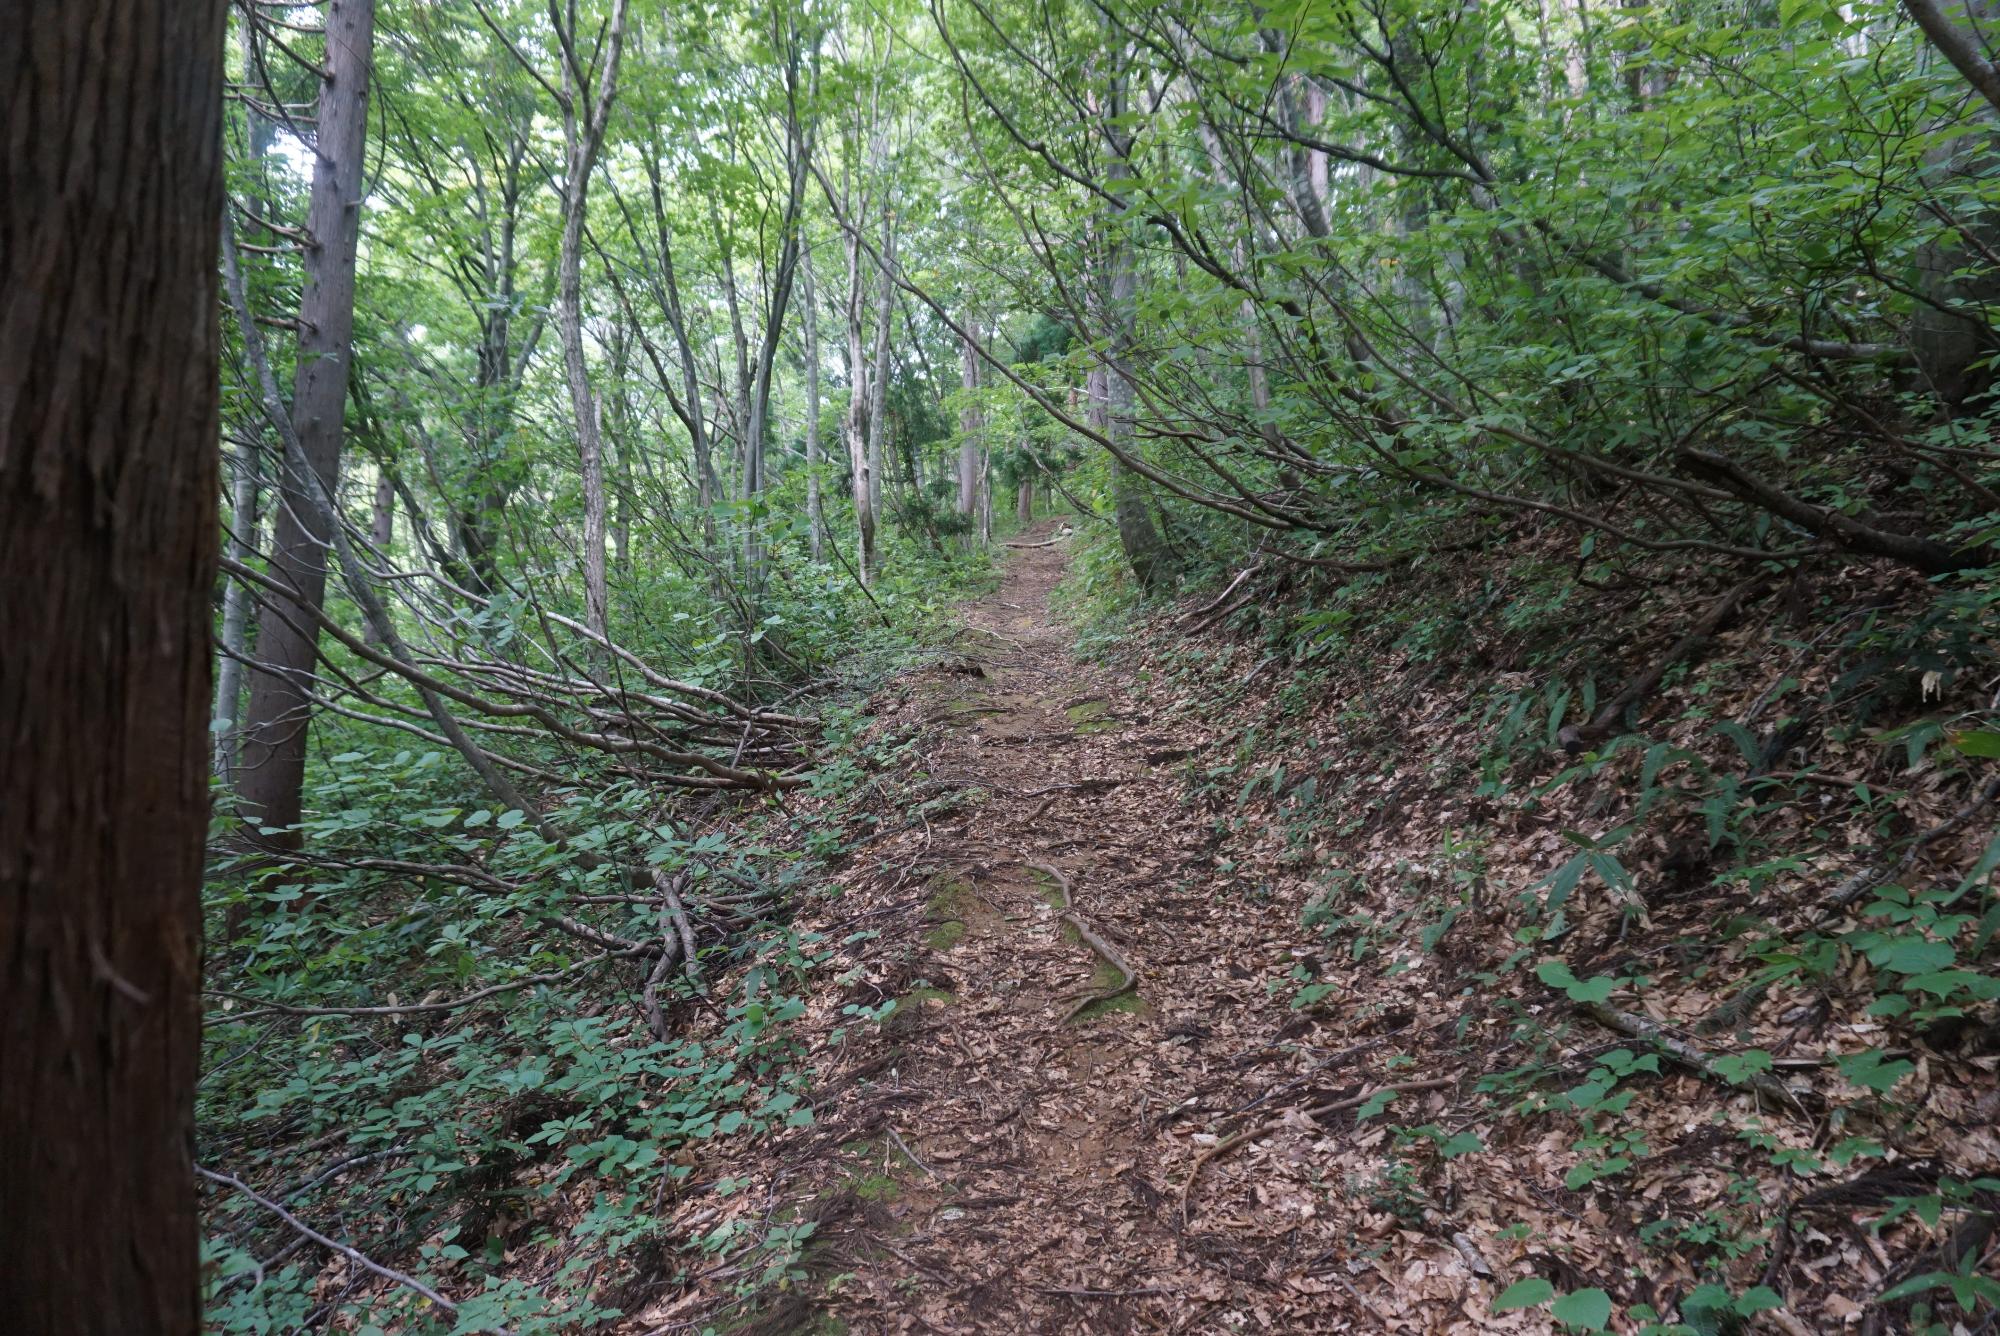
(912, 1004)
(1090, 716)
(956, 911)
(1127, 1003)
(1047, 887)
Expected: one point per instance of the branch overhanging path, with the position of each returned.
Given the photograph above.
(1076, 1074)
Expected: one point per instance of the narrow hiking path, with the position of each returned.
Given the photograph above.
(1010, 1150)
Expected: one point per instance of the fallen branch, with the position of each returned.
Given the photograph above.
(1128, 977)
(1221, 1148)
(1640, 687)
(414, 1008)
(1050, 541)
(1198, 613)
(1638, 1027)
(677, 944)
(335, 1245)
(1926, 554)
(1224, 614)
(1869, 878)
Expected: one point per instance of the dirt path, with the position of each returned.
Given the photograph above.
(988, 1160)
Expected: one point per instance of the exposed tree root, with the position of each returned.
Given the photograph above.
(1050, 541)
(1128, 977)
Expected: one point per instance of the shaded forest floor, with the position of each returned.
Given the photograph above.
(1310, 1111)
(1007, 1151)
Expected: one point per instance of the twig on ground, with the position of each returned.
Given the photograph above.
(335, 1245)
(279, 1009)
(1221, 1148)
(1869, 878)
(1638, 1027)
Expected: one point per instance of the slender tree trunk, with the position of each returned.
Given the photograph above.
(382, 523)
(110, 192)
(878, 399)
(985, 496)
(245, 503)
(1136, 533)
(273, 762)
(815, 455)
(968, 421)
(498, 382)
(690, 375)
(583, 136)
(854, 426)
(233, 638)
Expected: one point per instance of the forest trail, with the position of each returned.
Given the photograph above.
(1004, 1153)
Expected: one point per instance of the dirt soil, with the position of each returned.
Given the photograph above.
(1021, 1148)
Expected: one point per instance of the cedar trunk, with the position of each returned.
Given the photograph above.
(110, 196)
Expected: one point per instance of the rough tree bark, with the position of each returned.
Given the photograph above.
(273, 762)
(1950, 333)
(110, 195)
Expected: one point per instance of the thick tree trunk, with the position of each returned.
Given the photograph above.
(273, 760)
(110, 192)
(1951, 333)
(1024, 501)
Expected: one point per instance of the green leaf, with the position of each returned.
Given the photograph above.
(1933, 1280)
(1377, 1102)
(1530, 1293)
(1736, 1068)
(511, 819)
(1589, 1309)
(1870, 1070)
(1759, 1299)
(1912, 955)
(1556, 974)
(1945, 983)
(1978, 742)
(1465, 1143)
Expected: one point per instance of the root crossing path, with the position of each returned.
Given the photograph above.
(1053, 1089)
